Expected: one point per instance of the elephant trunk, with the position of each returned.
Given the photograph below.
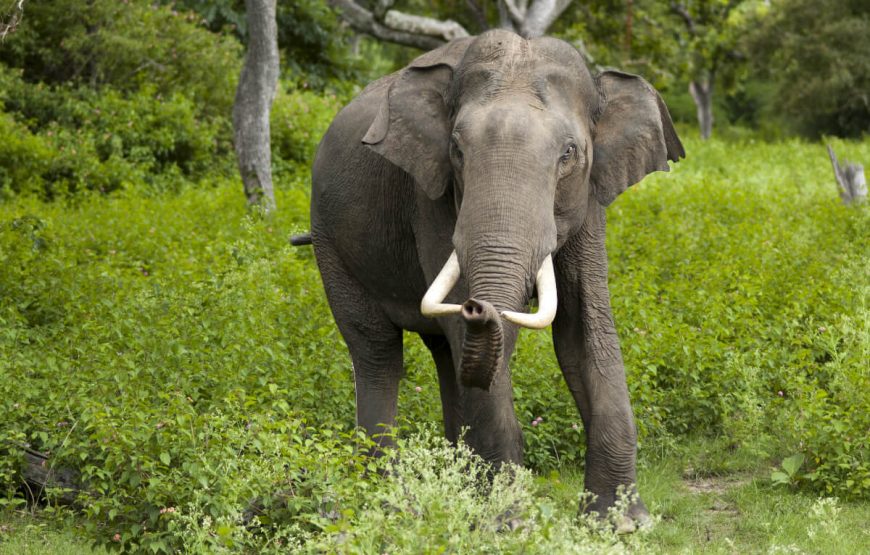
(497, 282)
(483, 348)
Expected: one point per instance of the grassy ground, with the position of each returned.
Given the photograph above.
(697, 509)
(28, 532)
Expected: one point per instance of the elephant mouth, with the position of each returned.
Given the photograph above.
(433, 305)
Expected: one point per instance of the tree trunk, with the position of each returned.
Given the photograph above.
(702, 93)
(253, 104)
(540, 15)
(850, 179)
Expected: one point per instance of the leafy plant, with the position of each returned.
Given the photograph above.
(788, 473)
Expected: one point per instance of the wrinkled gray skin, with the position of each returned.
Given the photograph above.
(505, 150)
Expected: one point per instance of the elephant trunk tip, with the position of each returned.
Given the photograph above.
(478, 313)
(483, 349)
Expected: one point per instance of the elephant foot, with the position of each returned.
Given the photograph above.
(625, 520)
(637, 518)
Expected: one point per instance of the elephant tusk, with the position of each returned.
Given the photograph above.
(431, 305)
(547, 300)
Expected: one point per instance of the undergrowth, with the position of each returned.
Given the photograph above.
(178, 353)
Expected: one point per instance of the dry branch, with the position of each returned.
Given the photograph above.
(528, 19)
(424, 33)
(851, 183)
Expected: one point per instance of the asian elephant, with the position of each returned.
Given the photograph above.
(448, 195)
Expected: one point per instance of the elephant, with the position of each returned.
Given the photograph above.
(448, 196)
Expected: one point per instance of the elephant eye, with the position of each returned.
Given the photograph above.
(455, 151)
(566, 157)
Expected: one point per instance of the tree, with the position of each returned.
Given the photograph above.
(314, 47)
(709, 36)
(11, 17)
(821, 84)
(529, 18)
(253, 104)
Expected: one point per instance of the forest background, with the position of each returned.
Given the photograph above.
(168, 351)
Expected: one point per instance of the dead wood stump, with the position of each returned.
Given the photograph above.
(851, 183)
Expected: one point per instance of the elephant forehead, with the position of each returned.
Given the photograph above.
(488, 76)
(497, 47)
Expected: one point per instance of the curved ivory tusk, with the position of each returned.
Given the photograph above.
(431, 305)
(547, 300)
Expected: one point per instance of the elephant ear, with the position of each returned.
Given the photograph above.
(412, 127)
(634, 135)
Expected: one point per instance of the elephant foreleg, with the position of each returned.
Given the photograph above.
(450, 397)
(587, 348)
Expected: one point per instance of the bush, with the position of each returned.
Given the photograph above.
(729, 277)
(181, 355)
(299, 119)
(126, 45)
(60, 140)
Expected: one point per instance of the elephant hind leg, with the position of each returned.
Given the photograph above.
(450, 400)
(374, 342)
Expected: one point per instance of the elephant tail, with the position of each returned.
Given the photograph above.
(301, 239)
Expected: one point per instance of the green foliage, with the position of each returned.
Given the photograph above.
(818, 54)
(316, 49)
(788, 474)
(126, 45)
(60, 140)
(182, 356)
(299, 118)
(742, 308)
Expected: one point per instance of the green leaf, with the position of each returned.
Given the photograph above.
(165, 458)
(792, 464)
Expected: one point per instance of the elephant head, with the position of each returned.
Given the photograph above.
(523, 137)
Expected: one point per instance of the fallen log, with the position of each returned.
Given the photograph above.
(40, 474)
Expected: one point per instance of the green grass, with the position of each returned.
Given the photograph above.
(26, 532)
(707, 497)
(180, 354)
(696, 508)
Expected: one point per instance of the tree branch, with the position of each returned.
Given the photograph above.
(681, 11)
(478, 13)
(504, 17)
(540, 15)
(516, 13)
(8, 27)
(419, 25)
(420, 32)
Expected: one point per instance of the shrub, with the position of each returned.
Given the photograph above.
(61, 140)
(180, 354)
(299, 119)
(126, 45)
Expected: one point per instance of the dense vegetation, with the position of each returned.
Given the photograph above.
(180, 354)
(174, 350)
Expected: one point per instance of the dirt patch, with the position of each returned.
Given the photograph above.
(715, 484)
(715, 487)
